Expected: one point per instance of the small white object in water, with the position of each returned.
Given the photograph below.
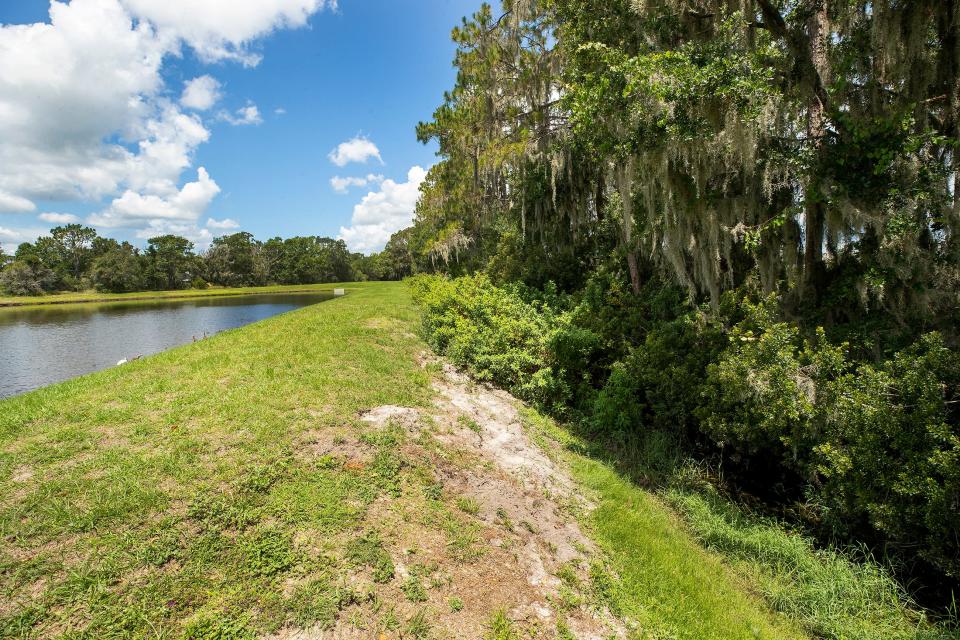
(338, 292)
(124, 361)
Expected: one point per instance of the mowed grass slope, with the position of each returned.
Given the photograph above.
(187, 495)
(169, 491)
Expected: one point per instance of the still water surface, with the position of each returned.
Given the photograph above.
(43, 345)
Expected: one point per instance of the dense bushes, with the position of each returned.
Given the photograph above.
(493, 333)
(874, 449)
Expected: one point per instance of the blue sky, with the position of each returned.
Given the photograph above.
(362, 70)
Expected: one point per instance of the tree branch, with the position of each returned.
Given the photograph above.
(799, 47)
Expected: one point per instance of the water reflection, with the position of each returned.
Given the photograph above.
(43, 345)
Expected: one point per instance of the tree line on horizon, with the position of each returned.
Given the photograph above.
(75, 258)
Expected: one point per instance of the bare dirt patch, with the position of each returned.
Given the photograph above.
(22, 473)
(404, 417)
(513, 545)
(317, 443)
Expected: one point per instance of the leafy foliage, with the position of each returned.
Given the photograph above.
(76, 258)
(749, 214)
(875, 446)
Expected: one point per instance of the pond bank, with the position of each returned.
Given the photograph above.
(321, 473)
(181, 294)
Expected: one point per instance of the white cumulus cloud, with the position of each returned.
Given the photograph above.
(59, 218)
(10, 203)
(132, 209)
(382, 213)
(225, 224)
(224, 29)
(65, 87)
(201, 93)
(342, 185)
(358, 149)
(84, 108)
(10, 238)
(249, 114)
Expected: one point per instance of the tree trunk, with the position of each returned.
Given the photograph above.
(818, 31)
(634, 271)
(624, 183)
(600, 200)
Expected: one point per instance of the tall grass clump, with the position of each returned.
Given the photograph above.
(834, 595)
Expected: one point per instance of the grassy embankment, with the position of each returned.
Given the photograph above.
(96, 296)
(183, 495)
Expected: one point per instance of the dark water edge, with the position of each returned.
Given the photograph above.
(48, 344)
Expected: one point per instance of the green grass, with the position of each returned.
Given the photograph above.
(188, 495)
(80, 297)
(834, 595)
(500, 627)
(172, 497)
(724, 579)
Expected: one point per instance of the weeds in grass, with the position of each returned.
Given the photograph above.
(266, 552)
(419, 626)
(469, 423)
(218, 627)
(563, 631)
(433, 491)
(413, 589)
(162, 547)
(456, 604)
(463, 540)
(260, 478)
(500, 627)
(603, 586)
(504, 519)
(389, 620)
(223, 511)
(368, 550)
(319, 601)
(567, 572)
(468, 505)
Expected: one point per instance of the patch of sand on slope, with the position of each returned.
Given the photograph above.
(535, 559)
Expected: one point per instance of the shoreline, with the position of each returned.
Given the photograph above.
(145, 296)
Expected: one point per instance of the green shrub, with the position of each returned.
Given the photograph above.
(491, 332)
(890, 450)
(879, 445)
(660, 384)
(21, 278)
(760, 392)
(875, 445)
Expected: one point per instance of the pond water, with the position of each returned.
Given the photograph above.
(43, 345)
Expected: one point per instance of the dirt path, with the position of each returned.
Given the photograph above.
(522, 552)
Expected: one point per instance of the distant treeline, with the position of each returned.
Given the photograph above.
(76, 258)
